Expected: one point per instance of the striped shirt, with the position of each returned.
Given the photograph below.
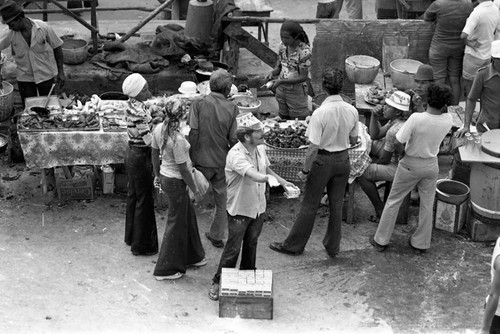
(138, 123)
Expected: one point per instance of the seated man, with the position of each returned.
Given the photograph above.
(396, 111)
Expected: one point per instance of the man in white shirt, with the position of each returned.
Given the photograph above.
(332, 128)
(478, 33)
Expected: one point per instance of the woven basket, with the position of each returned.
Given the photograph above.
(286, 162)
(6, 101)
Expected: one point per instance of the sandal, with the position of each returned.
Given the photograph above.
(374, 219)
(213, 293)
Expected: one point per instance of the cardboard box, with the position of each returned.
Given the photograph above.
(246, 294)
(449, 217)
(81, 188)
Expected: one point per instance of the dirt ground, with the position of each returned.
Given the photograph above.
(65, 267)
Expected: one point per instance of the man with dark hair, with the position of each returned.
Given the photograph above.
(36, 49)
(332, 129)
(421, 135)
(213, 131)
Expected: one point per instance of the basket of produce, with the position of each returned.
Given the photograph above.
(247, 103)
(286, 149)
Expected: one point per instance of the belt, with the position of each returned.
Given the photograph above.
(325, 152)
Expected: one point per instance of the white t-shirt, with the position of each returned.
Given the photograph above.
(332, 124)
(481, 26)
(423, 134)
(496, 252)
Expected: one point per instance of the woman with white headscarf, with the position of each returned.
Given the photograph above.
(181, 246)
(140, 225)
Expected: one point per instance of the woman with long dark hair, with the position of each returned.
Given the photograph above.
(292, 70)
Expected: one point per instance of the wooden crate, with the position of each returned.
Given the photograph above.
(246, 307)
(482, 228)
(246, 294)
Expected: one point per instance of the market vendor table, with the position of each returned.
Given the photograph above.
(49, 149)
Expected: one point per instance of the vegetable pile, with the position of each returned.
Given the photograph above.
(287, 137)
(377, 95)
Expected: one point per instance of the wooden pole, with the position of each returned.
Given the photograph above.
(82, 21)
(84, 10)
(146, 20)
(93, 22)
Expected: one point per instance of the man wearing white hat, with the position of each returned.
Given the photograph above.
(396, 111)
(247, 171)
(486, 87)
(140, 223)
(213, 131)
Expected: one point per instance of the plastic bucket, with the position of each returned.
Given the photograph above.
(74, 51)
(6, 101)
(450, 191)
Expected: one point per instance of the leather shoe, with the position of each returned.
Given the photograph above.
(278, 247)
(415, 249)
(378, 247)
(145, 254)
(215, 242)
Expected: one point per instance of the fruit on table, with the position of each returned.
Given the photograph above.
(377, 94)
(287, 137)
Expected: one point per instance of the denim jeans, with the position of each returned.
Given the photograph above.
(411, 172)
(244, 230)
(330, 171)
(181, 244)
(140, 222)
(217, 178)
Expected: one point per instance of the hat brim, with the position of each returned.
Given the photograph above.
(12, 18)
(397, 105)
(187, 91)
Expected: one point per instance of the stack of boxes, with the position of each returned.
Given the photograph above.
(246, 294)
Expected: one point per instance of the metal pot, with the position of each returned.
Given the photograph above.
(451, 191)
(203, 75)
(402, 73)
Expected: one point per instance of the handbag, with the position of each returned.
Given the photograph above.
(200, 181)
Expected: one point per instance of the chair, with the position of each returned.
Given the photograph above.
(348, 208)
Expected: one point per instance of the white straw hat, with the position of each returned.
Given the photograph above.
(399, 100)
(188, 87)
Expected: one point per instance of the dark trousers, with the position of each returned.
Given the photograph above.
(181, 245)
(495, 325)
(330, 171)
(140, 224)
(241, 230)
(30, 89)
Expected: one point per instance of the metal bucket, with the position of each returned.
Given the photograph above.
(450, 191)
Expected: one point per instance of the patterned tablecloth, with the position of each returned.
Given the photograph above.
(359, 157)
(49, 149)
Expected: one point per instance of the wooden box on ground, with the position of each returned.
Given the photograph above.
(482, 228)
(246, 294)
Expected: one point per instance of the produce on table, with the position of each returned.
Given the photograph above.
(60, 121)
(377, 94)
(247, 104)
(287, 137)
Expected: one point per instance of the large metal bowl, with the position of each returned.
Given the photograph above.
(451, 191)
(403, 72)
(362, 69)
